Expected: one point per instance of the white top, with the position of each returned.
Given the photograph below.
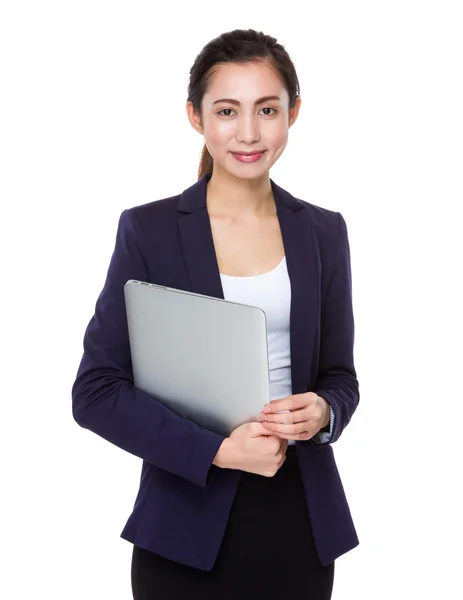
(271, 292)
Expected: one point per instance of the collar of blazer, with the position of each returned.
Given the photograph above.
(302, 260)
(194, 197)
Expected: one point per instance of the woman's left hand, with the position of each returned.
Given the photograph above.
(307, 414)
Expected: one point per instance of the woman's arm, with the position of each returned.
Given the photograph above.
(337, 379)
(104, 399)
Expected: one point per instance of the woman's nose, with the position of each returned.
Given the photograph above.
(247, 130)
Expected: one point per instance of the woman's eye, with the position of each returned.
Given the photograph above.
(223, 109)
(265, 108)
(269, 108)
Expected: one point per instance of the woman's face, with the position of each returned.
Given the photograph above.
(232, 121)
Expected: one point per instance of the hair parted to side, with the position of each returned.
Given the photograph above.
(238, 46)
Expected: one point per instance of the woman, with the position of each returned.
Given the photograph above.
(261, 513)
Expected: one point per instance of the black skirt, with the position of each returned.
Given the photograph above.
(268, 550)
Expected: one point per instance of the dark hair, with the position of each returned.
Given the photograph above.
(238, 46)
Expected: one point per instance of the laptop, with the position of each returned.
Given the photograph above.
(205, 358)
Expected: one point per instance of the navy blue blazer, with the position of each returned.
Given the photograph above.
(183, 502)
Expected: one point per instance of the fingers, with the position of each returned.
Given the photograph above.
(285, 432)
(305, 435)
(288, 428)
(257, 429)
(295, 416)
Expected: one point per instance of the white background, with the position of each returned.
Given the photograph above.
(93, 121)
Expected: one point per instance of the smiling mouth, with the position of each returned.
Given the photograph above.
(249, 153)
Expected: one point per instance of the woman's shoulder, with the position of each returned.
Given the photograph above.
(323, 219)
(326, 222)
(154, 219)
(156, 209)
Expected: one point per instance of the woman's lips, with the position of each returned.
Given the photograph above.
(248, 158)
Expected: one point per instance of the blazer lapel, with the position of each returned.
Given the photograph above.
(301, 259)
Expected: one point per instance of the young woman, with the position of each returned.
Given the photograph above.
(261, 513)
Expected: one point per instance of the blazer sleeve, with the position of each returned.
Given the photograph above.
(104, 398)
(336, 378)
(324, 435)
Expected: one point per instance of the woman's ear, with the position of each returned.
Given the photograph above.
(194, 117)
(293, 112)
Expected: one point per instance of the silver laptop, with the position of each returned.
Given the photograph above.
(205, 358)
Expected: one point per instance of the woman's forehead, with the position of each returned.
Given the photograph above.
(245, 83)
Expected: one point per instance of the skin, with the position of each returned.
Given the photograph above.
(241, 205)
(235, 187)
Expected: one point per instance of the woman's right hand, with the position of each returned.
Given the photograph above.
(251, 448)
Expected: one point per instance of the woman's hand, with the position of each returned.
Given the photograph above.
(252, 448)
(304, 416)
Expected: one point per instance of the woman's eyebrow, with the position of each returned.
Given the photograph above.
(259, 101)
